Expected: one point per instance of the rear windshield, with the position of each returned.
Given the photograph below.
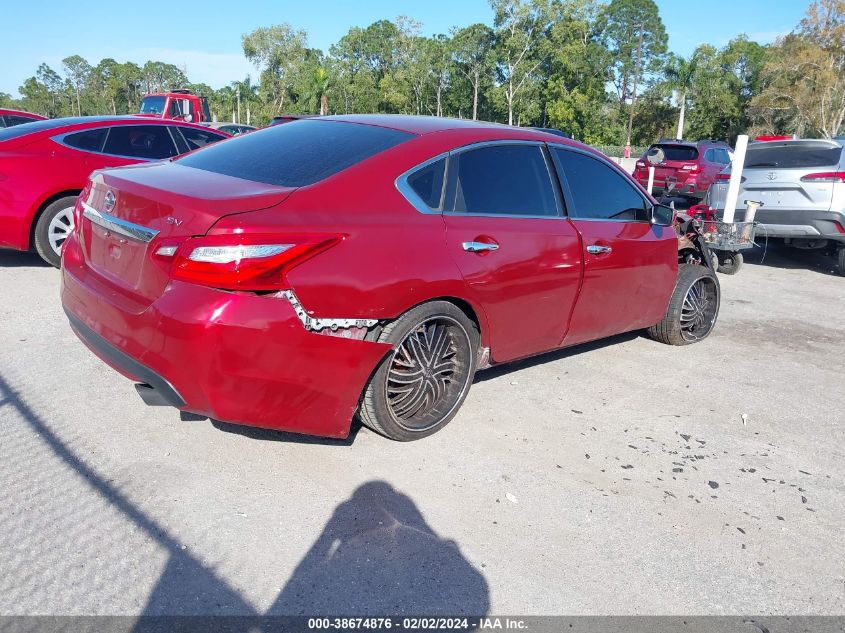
(768, 155)
(296, 154)
(677, 152)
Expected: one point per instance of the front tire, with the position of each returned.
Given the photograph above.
(52, 229)
(420, 385)
(730, 262)
(693, 307)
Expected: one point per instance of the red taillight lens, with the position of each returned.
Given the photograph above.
(240, 262)
(727, 177)
(825, 176)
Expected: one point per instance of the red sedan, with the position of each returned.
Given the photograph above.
(44, 165)
(294, 276)
(8, 118)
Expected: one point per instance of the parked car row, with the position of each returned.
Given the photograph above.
(45, 164)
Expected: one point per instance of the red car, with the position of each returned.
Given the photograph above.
(9, 118)
(44, 165)
(294, 276)
(685, 169)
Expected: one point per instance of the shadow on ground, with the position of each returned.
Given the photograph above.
(776, 255)
(377, 555)
(20, 259)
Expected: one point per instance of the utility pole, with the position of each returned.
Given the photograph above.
(636, 82)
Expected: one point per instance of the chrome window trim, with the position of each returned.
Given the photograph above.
(411, 196)
(60, 138)
(117, 225)
(612, 165)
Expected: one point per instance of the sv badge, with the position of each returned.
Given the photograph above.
(175, 221)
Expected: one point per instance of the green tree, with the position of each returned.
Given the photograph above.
(636, 40)
(680, 74)
(78, 71)
(519, 27)
(277, 51)
(472, 53)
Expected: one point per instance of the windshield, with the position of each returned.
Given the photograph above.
(153, 105)
(791, 155)
(677, 152)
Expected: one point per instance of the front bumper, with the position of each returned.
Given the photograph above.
(235, 357)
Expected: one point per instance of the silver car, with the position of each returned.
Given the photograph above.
(801, 184)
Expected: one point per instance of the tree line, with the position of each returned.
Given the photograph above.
(600, 71)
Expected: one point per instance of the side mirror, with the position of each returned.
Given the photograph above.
(662, 215)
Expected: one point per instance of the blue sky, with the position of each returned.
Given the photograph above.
(205, 36)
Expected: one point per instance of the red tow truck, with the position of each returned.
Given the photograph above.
(181, 105)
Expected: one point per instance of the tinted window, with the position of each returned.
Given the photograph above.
(502, 180)
(710, 155)
(768, 155)
(14, 119)
(2, 122)
(678, 152)
(296, 154)
(199, 138)
(724, 157)
(153, 105)
(598, 191)
(140, 141)
(427, 183)
(88, 140)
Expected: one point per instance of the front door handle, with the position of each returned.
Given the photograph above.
(595, 249)
(479, 247)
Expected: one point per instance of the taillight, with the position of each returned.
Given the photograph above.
(825, 176)
(241, 262)
(693, 169)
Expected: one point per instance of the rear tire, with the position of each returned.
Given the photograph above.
(693, 307)
(52, 229)
(420, 385)
(730, 262)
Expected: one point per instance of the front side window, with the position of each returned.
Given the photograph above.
(87, 140)
(199, 138)
(598, 191)
(508, 179)
(140, 141)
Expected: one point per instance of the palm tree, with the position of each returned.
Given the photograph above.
(317, 88)
(679, 77)
(247, 91)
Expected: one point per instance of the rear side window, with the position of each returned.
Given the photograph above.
(501, 180)
(427, 183)
(140, 141)
(36, 126)
(296, 154)
(14, 119)
(768, 155)
(678, 152)
(598, 191)
(199, 138)
(87, 140)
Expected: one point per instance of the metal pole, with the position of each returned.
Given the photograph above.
(650, 178)
(736, 178)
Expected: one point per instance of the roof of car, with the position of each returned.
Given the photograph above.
(415, 124)
(21, 113)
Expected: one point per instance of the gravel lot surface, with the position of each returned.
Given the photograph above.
(615, 478)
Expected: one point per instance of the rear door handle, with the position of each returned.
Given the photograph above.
(595, 249)
(479, 247)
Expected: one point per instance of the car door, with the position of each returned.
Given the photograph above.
(517, 252)
(630, 265)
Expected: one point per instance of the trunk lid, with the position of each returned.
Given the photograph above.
(128, 213)
(677, 166)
